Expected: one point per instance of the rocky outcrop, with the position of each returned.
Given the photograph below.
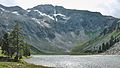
(114, 50)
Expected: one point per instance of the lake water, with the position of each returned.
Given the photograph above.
(76, 61)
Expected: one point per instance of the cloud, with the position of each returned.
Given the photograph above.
(92, 5)
(115, 7)
(8, 2)
(106, 7)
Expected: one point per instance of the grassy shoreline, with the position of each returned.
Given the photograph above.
(20, 65)
(6, 63)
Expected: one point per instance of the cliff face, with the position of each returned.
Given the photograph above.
(54, 29)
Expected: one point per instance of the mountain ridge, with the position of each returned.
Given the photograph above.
(54, 29)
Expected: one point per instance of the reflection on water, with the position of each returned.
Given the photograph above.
(73, 61)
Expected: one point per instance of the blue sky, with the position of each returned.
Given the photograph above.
(106, 7)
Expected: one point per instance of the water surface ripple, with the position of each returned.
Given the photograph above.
(76, 61)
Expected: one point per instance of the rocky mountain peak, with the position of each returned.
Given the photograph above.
(54, 28)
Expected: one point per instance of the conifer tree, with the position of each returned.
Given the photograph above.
(5, 44)
(13, 44)
(26, 50)
(103, 46)
(17, 41)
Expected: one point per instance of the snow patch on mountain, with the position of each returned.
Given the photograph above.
(15, 12)
(28, 10)
(2, 9)
(46, 24)
(63, 16)
(42, 23)
(36, 20)
(43, 14)
(59, 15)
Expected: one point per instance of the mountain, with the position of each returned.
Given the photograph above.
(107, 42)
(55, 29)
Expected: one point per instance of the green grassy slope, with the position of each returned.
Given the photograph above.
(81, 48)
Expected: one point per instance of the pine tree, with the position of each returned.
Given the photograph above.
(5, 44)
(107, 46)
(26, 50)
(103, 46)
(111, 41)
(13, 44)
(100, 49)
(17, 41)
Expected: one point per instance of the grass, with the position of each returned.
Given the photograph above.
(79, 49)
(1, 53)
(19, 65)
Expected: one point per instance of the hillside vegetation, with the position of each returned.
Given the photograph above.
(109, 37)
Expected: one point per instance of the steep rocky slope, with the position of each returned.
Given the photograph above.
(54, 29)
(107, 41)
(114, 50)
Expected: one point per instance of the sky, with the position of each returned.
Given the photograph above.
(106, 7)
